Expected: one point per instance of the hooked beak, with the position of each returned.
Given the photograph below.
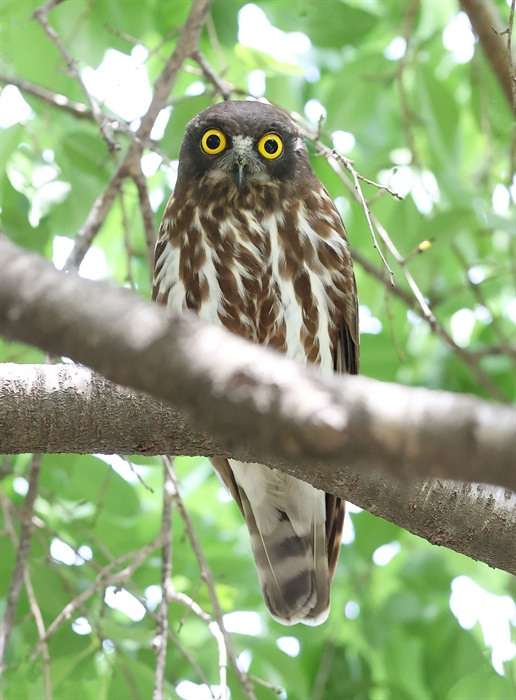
(240, 168)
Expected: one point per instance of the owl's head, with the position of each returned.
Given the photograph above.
(242, 145)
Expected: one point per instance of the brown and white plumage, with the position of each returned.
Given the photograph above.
(251, 240)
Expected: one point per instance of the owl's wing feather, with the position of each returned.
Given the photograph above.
(346, 360)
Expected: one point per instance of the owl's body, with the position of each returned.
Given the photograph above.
(252, 241)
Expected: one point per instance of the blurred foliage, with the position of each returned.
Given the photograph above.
(436, 129)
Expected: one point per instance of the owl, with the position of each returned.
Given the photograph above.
(252, 241)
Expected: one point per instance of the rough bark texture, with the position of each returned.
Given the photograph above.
(56, 408)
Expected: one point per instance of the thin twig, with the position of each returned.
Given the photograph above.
(22, 555)
(96, 217)
(160, 640)
(477, 292)
(186, 44)
(223, 88)
(407, 116)
(149, 225)
(40, 625)
(127, 239)
(422, 309)
(77, 109)
(470, 360)
(207, 576)
(41, 14)
(215, 632)
(104, 579)
(34, 607)
(367, 212)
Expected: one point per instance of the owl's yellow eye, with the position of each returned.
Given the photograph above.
(270, 146)
(213, 141)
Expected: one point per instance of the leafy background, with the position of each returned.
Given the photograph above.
(411, 98)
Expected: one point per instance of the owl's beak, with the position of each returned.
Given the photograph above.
(240, 168)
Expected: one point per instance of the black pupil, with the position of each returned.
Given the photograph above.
(271, 146)
(213, 142)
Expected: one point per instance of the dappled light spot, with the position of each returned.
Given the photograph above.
(348, 531)
(13, 108)
(501, 199)
(244, 622)
(289, 645)
(315, 111)
(462, 323)
(81, 626)
(476, 274)
(244, 660)
(369, 323)
(497, 615)
(197, 691)
(458, 38)
(386, 553)
(20, 485)
(63, 553)
(121, 83)
(396, 49)
(256, 31)
(124, 602)
(343, 141)
(352, 610)
(153, 595)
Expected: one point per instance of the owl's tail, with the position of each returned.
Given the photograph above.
(286, 519)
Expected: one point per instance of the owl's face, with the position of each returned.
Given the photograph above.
(242, 145)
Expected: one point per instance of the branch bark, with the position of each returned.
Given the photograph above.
(67, 408)
(488, 26)
(246, 395)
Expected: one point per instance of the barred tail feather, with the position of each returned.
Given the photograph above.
(286, 519)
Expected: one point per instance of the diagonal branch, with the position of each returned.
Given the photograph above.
(487, 25)
(187, 43)
(244, 394)
(22, 555)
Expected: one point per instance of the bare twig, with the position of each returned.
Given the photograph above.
(222, 88)
(94, 221)
(22, 555)
(476, 289)
(407, 115)
(149, 224)
(41, 14)
(335, 159)
(186, 44)
(215, 632)
(77, 109)
(207, 576)
(160, 640)
(34, 607)
(104, 579)
(36, 613)
(127, 239)
(367, 213)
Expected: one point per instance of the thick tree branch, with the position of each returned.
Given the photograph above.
(244, 394)
(56, 408)
(488, 26)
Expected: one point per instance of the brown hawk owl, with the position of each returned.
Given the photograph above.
(251, 240)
